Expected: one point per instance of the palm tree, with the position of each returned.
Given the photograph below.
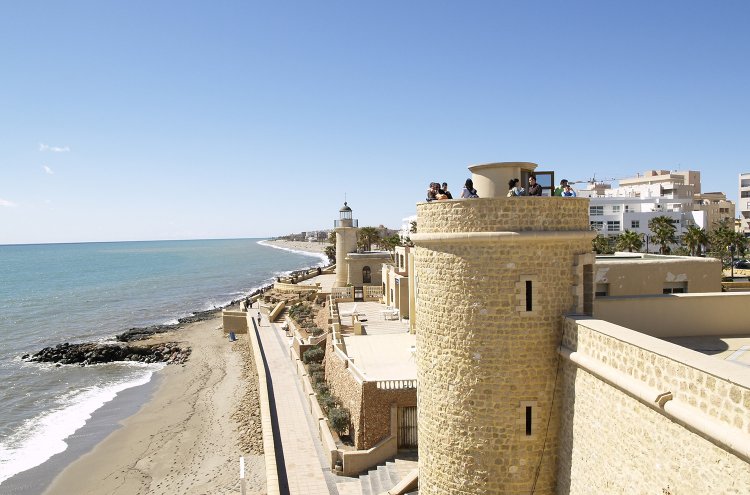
(663, 232)
(367, 236)
(601, 245)
(389, 243)
(629, 241)
(695, 238)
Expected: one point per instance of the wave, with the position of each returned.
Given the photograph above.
(43, 436)
(321, 256)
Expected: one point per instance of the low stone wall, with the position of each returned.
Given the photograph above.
(234, 321)
(714, 313)
(295, 288)
(638, 408)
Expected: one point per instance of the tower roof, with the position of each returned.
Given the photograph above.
(345, 208)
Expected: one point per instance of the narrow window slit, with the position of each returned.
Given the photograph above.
(528, 296)
(528, 421)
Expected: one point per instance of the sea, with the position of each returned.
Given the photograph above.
(56, 293)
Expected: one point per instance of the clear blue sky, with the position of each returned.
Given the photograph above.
(173, 120)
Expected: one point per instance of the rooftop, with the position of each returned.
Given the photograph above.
(734, 349)
(386, 350)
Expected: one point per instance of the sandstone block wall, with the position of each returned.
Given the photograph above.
(482, 357)
(349, 391)
(376, 411)
(610, 442)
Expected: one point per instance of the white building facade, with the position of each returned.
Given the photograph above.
(743, 206)
(637, 200)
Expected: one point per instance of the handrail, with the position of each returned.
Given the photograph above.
(396, 384)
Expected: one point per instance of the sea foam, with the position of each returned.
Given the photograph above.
(43, 436)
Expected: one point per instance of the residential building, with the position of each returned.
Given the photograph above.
(743, 203)
(636, 200)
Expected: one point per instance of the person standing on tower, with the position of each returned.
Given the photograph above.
(534, 188)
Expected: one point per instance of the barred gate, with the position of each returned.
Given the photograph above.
(407, 427)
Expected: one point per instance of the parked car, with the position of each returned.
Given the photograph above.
(744, 264)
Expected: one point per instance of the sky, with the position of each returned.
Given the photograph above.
(146, 120)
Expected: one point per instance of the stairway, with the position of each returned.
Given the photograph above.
(378, 480)
(282, 315)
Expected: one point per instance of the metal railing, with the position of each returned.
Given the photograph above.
(396, 384)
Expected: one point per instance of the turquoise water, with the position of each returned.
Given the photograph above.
(55, 293)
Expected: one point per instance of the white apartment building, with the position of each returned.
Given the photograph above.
(743, 199)
(636, 200)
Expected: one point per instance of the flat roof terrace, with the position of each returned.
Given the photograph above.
(386, 350)
(735, 350)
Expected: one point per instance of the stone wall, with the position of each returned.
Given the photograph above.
(377, 411)
(503, 215)
(483, 355)
(344, 386)
(613, 442)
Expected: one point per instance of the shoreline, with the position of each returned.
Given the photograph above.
(118, 423)
(195, 447)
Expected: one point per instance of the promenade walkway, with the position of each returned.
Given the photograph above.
(303, 462)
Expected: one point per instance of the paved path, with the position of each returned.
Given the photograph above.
(305, 469)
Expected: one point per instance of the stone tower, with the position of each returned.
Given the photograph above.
(346, 242)
(493, 278)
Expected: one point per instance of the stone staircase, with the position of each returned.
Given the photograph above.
(378, 480)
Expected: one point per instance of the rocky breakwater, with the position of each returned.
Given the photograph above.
(93, 353)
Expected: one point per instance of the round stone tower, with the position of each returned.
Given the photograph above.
(493, 277)
(346, 242)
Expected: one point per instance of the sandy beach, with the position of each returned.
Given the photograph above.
(188, 438)
(310, 247)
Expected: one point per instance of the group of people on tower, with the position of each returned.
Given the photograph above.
(515, 190)
(438, 191)
(535, 189)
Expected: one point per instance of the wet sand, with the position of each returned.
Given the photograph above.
(189, 436)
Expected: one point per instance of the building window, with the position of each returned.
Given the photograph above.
(401, 258)
(596, 210)
(613, 226)
(597, 225)
(635, 224)
(393, 297)
(529, 296)
(674, 288)
(366, 275)
(602, 290)
(528, 420)
(615, 208)
(526, 295)
(745, 194)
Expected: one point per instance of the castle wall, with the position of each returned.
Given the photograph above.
(638, 277)
(618, 431)
(482, 357)
(348, 390)
(688, 314)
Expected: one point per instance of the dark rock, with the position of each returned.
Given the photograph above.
(94, 353)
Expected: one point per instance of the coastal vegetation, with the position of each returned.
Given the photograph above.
(338, 416)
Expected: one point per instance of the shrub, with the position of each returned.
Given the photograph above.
(313, 367)
(328, 402)
(315, 331)
(339, 418)
(318, 377)
(313, 355)
(321, 388)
